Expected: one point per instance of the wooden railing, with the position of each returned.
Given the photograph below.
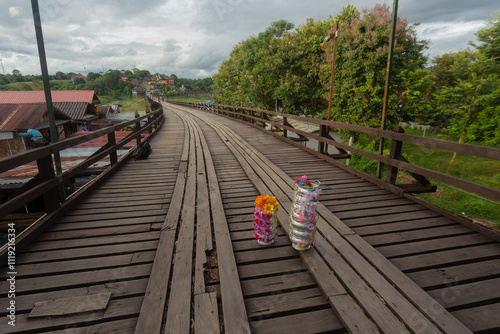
(49, 186)
(395, 161)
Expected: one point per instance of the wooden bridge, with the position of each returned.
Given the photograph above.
(165, 245)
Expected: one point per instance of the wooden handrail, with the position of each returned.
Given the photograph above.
(43, 155)
(468, 149)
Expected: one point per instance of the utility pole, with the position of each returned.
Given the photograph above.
(3, 68)
(387, 82)
(46, 86)
(333, 37)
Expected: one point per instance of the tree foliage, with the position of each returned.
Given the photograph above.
(361, 64)
(288, 68)
(465, 90)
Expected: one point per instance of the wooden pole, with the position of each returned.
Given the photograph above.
(46, 86)
(332, 75)
(387, 82)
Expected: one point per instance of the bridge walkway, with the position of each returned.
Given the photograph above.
(166, 245)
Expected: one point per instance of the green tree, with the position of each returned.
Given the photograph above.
(251, 76)
(79, 81)
(61, 76)
(361, 67)
(127, 91)
(489, 37)
(93, 76)
(466, 88)
(300, 58)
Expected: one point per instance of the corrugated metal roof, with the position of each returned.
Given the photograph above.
(88, 96)
(15, 117)
(75, 110)
(20, 116)
(103, 110)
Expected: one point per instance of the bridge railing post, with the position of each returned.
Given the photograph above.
(396, 148)
(138, 130)
(252, 121)
(285, 122)
(322, 134)
(113, 157)
(46, 172)
(149, 122)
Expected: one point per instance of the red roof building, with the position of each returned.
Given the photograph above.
(17, 118)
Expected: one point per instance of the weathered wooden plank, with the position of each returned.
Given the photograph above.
(233, 307)
(433, 278)
(71, 305)
(271, 253)
(106, 223)
(86, 252)
(97, 241)
(117, 309)
(323, 321)
(250, 244)
(426, 246)
(87, 233)
(389, 218)
(115, 215)
(482, 292)
(132, 207)
(482, 318)
(178, 314)
(134, 202)
(409, 236)
(40, 284)
(401, 226)
(37, 269)
(206, 314)
(129, 288)
(112, 327)
(380, 211)
(203, 225)
(151, 315)
(285, 302)
(277, 283)
(450, 257)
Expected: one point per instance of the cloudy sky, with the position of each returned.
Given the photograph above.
(191, 37)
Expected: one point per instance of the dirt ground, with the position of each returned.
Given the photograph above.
(488, 223)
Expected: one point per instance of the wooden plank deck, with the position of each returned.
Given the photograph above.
(170, 238)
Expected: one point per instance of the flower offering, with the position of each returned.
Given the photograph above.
(265, 217)
(303, 217)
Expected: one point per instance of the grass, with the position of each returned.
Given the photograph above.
(479, 170)
(129, 105)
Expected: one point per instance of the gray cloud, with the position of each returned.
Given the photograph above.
(190, 38)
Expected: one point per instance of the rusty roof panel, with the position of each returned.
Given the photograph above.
(14, 117)
(20, 116)
(88, 96)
